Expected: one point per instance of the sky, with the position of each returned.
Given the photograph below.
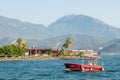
(47, 11)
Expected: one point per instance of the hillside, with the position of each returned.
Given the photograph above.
(6, 41)
(112, 46)
(86, 33)
(69, 24)
(14, 28)
(78, 42)
(82, 24)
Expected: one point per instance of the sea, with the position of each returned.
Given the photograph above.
(55, 70)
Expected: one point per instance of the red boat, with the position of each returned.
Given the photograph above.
(84, 67)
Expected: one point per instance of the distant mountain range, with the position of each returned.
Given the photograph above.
(14, 28)
(70, 24)
(112, 46)
(78, 42)
(81, 24)
(86, 33)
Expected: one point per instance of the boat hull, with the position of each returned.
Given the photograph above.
(82, 67)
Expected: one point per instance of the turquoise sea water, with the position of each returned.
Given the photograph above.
(55, 70)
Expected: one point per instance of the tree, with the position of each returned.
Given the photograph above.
(2, 53)
(66, 45)
(20, 41)
(68, 42)
(81, 54)
(25, 46)
(12, 50)
(49, 52)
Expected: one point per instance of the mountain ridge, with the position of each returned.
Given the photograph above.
(78, 42)
(69, 24)
(15, 28)
(81, 24)
(91, 31)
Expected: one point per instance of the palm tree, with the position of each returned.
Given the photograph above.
(66, 45)
(68, 42)
(20, 41)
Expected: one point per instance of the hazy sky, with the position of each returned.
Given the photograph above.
(47, 11)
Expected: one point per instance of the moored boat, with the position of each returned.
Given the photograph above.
(83, 67)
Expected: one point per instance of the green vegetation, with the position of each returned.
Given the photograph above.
(49, 52)
(68, 43)
(81, 54)
(64, 50)
(20, 41)
(13, 50)
(17, 51)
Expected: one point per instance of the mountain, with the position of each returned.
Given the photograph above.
(78, 42)
(70, 24)
(112, 46)
(5, 41)
(14, 28)
(82, 24)
(86, 33)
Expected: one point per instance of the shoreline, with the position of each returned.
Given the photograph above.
(39, 58)
(20, 59)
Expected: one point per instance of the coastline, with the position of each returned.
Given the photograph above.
(39, 58)
(19, 59)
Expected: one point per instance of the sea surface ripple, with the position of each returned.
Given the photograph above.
(55, 70)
